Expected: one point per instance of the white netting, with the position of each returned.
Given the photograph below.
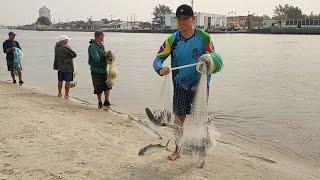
(187, 100)
(112, 71)
(163, 114)
(196, 138)
(74, 82)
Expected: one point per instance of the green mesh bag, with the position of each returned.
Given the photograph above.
(217, 59)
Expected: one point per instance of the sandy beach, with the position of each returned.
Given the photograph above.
(46, 137)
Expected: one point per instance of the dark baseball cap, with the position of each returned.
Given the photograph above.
(98, 33)
(12, 33)
(184, 11)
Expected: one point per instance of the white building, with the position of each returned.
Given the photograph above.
(203, 21)
(45, 12)
(121, 25)
(130, 25)
(301, 23)
(126, 25)
(270, 23)
(170, 21)
(210, 21)
(292, 23)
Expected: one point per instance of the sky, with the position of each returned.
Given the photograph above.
(26, 11)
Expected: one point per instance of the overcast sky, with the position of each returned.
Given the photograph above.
(26, 11)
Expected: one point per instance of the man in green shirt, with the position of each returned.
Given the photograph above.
(98, 67)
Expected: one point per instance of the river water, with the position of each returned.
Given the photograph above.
(267, 96)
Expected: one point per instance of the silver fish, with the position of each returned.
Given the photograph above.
(153, 148)
(147, 129)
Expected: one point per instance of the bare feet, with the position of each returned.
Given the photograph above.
(66, 96)
(174, 156)
(59, 94)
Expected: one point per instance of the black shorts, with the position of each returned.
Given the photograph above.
(65, 76)
(99, 82)
(182, 100)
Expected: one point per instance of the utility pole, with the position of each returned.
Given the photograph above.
(134, 21)
(151, 23)
(87, 23)
(91, 23)
(192, 3)
(127, 23)
(69, 25)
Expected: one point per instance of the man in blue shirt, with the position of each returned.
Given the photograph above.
(186, 46)
(8, 48)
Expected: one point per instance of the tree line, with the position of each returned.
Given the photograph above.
(161, 10)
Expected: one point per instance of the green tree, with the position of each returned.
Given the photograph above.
(159, 13)
(289, 11)
(146, 25)
(44, 21)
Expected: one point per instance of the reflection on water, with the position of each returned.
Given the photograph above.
(268, 94)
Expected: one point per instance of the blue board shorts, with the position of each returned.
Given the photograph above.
(65, 76)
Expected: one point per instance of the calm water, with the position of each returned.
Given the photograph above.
(268, 95)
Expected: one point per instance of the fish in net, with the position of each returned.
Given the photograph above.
(186, 109)
(195, 139)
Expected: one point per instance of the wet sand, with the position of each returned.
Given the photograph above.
(46, 137)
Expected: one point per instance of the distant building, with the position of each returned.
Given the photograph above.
(210, 21)
(130, 25)
(170, 22)
(203, 20)
(112, 24)
(125, 25)
(254, 22)
(292, 23)
(301, 23)
(237, 21)
(45, 12)
(94, 25)
(245, 22)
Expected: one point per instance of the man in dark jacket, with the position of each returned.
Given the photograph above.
(98, 67)
(63, 62)
(9, 47)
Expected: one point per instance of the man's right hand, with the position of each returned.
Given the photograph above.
(164, 71)
(10, 50)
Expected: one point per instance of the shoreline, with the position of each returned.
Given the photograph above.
(275, 31)
(43, 137)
